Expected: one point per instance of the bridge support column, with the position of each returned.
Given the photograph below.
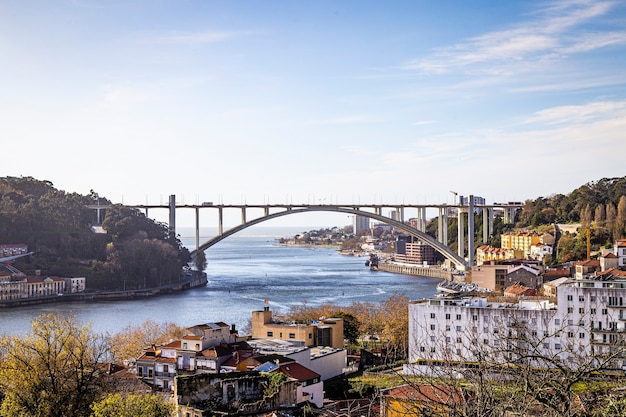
(220, 222)
(445, 227)
(197, 228)
(440, 226)
(172, 224)
(470, 232)
(461, 234)
(486, 231)
(243, 215)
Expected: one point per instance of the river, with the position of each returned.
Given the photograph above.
(243, 270)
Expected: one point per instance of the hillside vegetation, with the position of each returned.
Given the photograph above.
(136, 252)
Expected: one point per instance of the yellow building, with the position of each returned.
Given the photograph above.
(519, 241)
(421, 400)
(486, 253)
(325, 332)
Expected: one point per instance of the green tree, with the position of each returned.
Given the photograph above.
(132, 405)
(52, 371)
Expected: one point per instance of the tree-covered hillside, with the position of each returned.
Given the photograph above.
(598, 205)
(136, 252)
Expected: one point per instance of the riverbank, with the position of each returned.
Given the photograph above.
(192, 279)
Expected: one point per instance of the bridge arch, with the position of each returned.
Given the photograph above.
(438, 246)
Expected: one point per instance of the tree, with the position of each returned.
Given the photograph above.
(130, 342)
(52, 371)
(132, 405)
(199, 261)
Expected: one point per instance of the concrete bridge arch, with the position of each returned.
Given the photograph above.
(425, 238)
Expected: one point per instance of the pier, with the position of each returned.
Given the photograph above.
(415, 270)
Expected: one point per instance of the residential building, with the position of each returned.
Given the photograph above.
(525, 275)
(421, 400)
(608, 260)
(12, 249)
(521, 241)
(325, 332)
(486, 254)
(492, 277)
(410, 250)
(586, 268)
(619, 249)
(360, 224)
(309, 388)
(539, 251)
(588, 319)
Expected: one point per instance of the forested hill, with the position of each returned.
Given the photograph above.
(136, 252)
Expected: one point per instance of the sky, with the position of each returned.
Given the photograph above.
(313, 102)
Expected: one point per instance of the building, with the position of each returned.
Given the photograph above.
(539, 251)
(13, 249)
(325, 332)
(487, 254)
(619, 249)
(520, 241)
(586, 268)
(360, 224)
(309, 387)
(421, 400)
(587, 320)
(492, 277)
(410, 250)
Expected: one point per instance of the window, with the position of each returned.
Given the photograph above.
(570, 297)
(593, 311)
(458, 328)
(310, 335)
(581, 335)
(270, 334)
(605, 311)
(184, 345)
(458, 340)
(140, 371)
(593, 298)
(447, 316)
(485, 330)
(557, 322)
(534, 333)
(432, 327)
(197, 346)
(422, 349)
(474, 317)
(581, 298)
(557, 346)
(458, 317)
(432, 315)
(486, 341)
(149, 372)
(448, 339)
(292, 335)
(432, 338)
(581, 310)
(570, 334)
(570, 322)
(570, 310)
(447, 328)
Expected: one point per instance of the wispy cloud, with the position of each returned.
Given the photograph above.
(348, 120)
(575, 115)
(554, 32)
(195, 38)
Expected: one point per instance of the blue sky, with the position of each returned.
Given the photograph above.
(313, 101)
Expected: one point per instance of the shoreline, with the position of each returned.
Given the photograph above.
(194, 280)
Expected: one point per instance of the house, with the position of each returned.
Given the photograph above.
(519, 290)
(586, 268)
(525, 275)
(540, 250)
(325, 332)
(619, 249)
(246, 393)
(310, 387)
(608, 260)
(421, 400)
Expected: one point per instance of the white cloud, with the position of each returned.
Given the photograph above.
(578, 114)
(548, 37)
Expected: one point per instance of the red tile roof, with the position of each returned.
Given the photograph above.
(296, 371)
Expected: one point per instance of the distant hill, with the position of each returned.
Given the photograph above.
(136, 252)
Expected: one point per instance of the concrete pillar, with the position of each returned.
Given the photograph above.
(461, 234)
(491, 221)
(172, 215)
(440, 226)
(470, 231)
(445, 226)
(197, 227)
(243, 215)
(486, 233)
(220, 221)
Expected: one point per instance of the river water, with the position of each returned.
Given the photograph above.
(243, 270)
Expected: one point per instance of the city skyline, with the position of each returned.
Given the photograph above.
(313, 102)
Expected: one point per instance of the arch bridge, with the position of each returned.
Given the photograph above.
(372, 211)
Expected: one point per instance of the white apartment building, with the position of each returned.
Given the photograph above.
(588, 319)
